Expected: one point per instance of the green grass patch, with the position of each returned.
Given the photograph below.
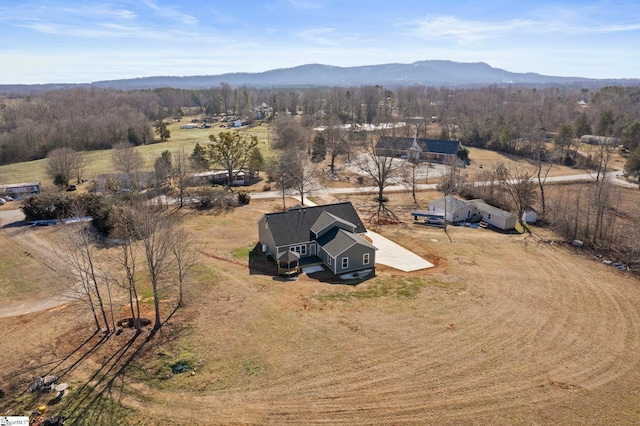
(243, 253)
(253, 366)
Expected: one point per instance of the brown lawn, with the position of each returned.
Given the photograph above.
(506, 329)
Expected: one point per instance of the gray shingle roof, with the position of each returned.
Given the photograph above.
(294, 225)
(337, 241)
(435, 146)
(327, 219)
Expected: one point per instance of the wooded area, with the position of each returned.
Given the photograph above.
(511, 119)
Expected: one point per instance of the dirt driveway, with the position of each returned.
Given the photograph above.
(25, 235)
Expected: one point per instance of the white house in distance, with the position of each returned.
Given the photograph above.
(220, 177)
(20, 189)
(494, 216)
(453, 209)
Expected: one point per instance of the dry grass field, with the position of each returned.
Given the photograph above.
(506, 329)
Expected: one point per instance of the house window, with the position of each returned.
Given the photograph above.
(489, 216)
(345, 262)
(365, 259)
(329, 260)
(302, 250)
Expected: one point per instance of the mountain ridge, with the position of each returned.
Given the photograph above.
(427, 72)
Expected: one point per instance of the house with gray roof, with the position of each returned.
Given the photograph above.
(419, 149)
(329, 235)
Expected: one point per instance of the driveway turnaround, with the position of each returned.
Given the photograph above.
(396, 256)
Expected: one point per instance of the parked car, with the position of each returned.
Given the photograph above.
(2, 201)
(71, 188)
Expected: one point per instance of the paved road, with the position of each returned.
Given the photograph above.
(614, 177)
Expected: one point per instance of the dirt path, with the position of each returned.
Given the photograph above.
(26, 236)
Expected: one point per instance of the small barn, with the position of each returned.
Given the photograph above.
(529, 215)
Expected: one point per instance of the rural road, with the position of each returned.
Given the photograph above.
(612, 176)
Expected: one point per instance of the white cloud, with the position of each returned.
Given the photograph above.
(172, 13)
(465, 31)
(318, 36)
(304, 4)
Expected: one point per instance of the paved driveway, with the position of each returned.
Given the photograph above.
(396, 256)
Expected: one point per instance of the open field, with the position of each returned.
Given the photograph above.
(506, 329)
(100, 161)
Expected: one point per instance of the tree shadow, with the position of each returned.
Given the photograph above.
(98, 400)
(55, 366)
(93, 402)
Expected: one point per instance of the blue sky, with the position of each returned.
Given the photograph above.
(56, 41)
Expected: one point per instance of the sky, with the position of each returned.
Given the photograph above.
(64, 41)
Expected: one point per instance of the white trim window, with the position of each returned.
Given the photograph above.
(301, 250)
(345, 262)
(366, 258)
(329, 260)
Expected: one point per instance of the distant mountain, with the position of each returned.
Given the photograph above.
(429, 73)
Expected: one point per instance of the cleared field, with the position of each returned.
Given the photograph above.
(100, 161)
(504, 330)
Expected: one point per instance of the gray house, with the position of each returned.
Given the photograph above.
(329, 235)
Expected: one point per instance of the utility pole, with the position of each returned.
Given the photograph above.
(282, 185)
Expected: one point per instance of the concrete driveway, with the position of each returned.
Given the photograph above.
(396, 256)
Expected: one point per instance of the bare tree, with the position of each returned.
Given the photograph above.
(60, 165)
(289, 134)
(543, 167)
(186, 252)
(181, 173)
(521, 188)
(335, 142)
(128, 161)
(297, 171)
(452, 183)
(156, 232)
(80, 163)
(381, 170)
(77, 249)
(124, 231)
